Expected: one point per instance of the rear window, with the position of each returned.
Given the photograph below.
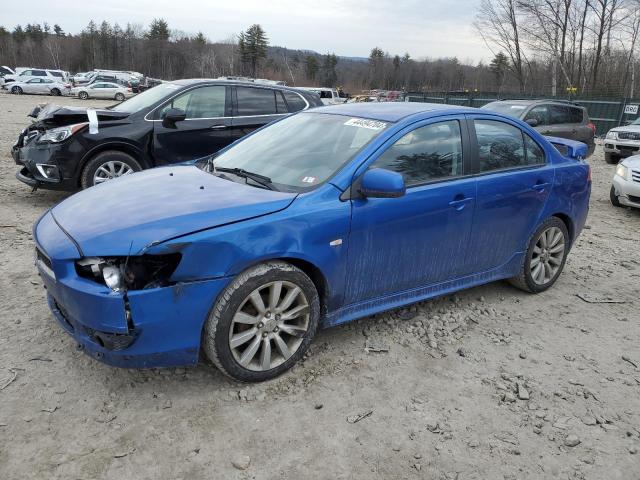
(577, 114)
(39, 73)
(256, 101)
(56, 74)
(294, 101)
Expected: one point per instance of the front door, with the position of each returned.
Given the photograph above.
(514, 182)
(420, 239)
(206, 130)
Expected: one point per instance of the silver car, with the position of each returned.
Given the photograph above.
(37, 85)
(625, 190)
(102, 90)
(622, 142)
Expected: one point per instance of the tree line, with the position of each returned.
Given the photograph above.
(538, 47)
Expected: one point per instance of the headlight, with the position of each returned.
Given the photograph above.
(60, 134)
(621, 171)
(612, 135)
(112, 277)
(132, 273)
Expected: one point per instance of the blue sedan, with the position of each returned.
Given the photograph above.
(320, 218)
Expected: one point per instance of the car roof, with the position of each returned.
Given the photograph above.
(536, 101)
(391, 111)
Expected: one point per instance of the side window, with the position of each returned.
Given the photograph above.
(281, 107)
(427, 153)
(26, 73)
(56, 74)
(294, 101)
(255, 101)
(540, 114)
(39, 73)
(35, 80)
(559, 114)
(46, 80)
(535, 154)
(500, 145)
(203, 102)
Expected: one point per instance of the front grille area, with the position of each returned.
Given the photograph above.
(635, 175)
(629, 135)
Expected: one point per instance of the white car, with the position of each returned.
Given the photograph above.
(102, 90)
(24, 74)
(42, 86)
(625, 190)
(328, 96)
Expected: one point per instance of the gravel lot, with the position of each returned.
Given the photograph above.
(490, 383)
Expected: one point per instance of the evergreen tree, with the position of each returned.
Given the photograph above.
(253, 47)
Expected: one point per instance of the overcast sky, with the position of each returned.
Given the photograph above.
(424, 28)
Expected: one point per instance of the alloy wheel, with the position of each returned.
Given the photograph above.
(269, 326)
(548, 255)
(111, 170)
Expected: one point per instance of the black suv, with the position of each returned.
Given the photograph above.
(554, 118)
(68, 148)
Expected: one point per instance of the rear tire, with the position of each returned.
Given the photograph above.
(611, 158)
(253, 341)
(83, 95)
(542, 254)
(613, 197)
(55, 92)
(110, 160)
(119, 97)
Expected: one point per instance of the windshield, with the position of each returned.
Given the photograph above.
(301, 151)
(146, 98)
(513, 109)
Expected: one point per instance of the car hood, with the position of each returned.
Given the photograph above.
(126, 214)
(52, 115)
(626, 128)
(632, 162)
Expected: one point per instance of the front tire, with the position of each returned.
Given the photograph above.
(107, 166)
(263, 322)
(613, 197)
(545, 257)
(16, 90)
(611, 158)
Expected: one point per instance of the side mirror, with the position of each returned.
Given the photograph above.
(171, 116)
(533, 122)
(381, 183)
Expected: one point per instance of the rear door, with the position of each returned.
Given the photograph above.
(254, 107)
(32, 86)
(514, 181)
(206, 130)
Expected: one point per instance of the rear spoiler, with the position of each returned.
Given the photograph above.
(569, 148)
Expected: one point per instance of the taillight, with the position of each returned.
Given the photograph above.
(589, 174)
(128, 89)
(592, 126)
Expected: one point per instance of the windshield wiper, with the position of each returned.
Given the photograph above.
(256, 177)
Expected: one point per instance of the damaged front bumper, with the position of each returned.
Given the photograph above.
(155, 327)
(50, 166)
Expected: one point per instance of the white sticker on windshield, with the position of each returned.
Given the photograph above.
(309, 180)
(362, 123)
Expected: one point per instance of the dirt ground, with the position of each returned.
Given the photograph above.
(490, 383)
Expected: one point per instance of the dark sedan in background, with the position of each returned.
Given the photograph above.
(555, 118)
(68, 148)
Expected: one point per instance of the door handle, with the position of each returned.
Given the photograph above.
(459, 203)
(540, 187)
(217, 127)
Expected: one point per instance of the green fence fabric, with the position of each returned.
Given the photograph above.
(605, 113)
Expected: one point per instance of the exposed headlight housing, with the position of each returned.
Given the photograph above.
(60, 134)
(132, 273)
(612, 135)
(621, 171)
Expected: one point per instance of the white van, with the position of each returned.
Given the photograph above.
(328, 96)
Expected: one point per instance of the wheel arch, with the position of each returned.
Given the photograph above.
(124, 147)
(566, 219)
